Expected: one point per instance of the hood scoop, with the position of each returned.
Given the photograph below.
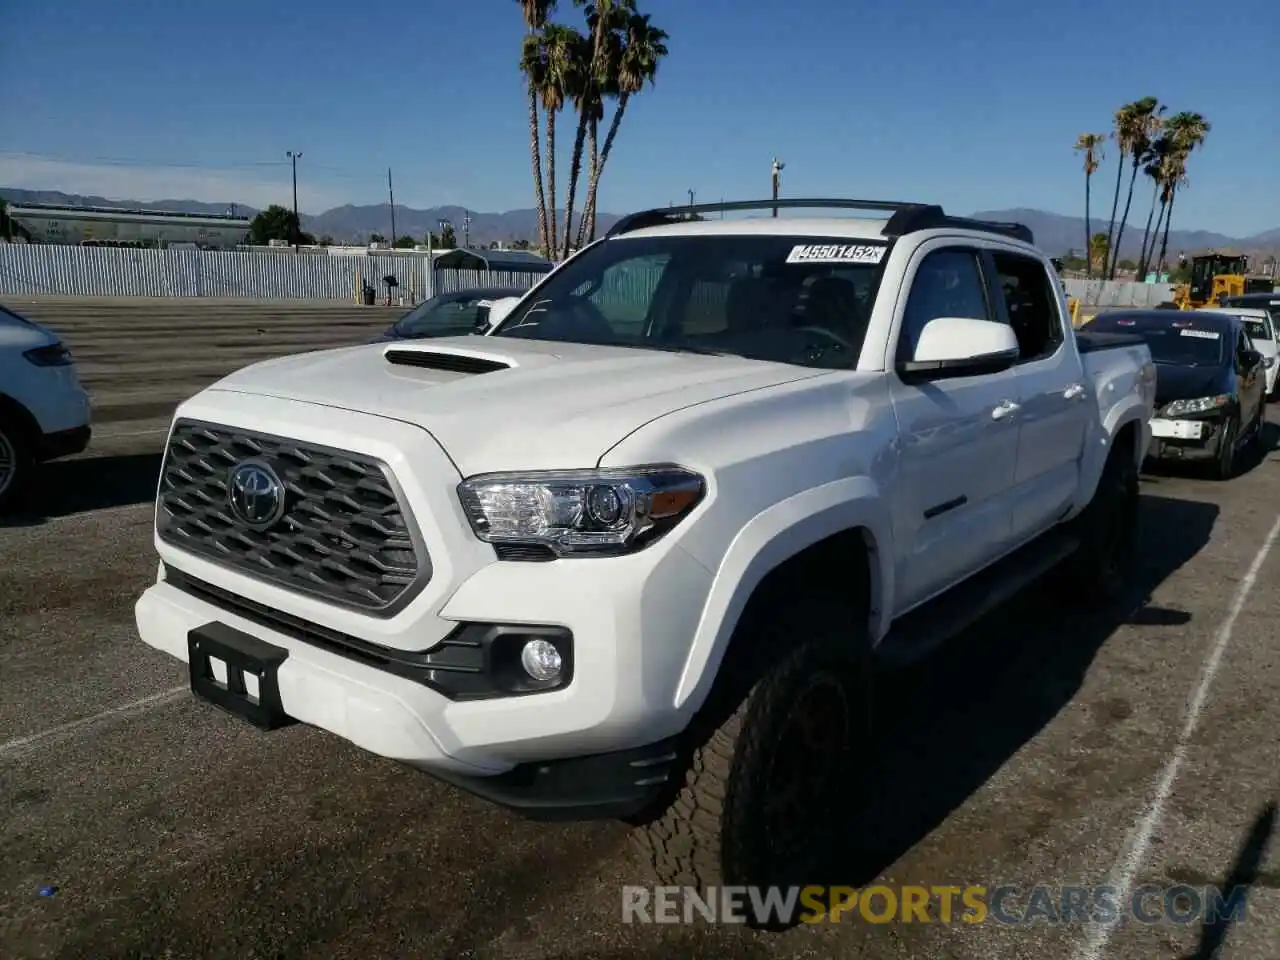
(441, 360)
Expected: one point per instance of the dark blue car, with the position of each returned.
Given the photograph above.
(447, 315)
(1210, 382)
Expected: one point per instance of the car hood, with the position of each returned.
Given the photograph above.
(554, 406)
(1187, 383)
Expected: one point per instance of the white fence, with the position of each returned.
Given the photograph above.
(1116, 293)
(35, 269)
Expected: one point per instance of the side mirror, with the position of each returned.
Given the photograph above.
(960, 347)
(1250, 359)
(492, 314)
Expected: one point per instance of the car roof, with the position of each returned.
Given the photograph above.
(483, 292)
(1257, 313)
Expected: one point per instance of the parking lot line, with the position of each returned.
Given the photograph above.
(20, 744)
(1139, 842)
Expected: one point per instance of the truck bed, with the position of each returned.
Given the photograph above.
(1092, 342)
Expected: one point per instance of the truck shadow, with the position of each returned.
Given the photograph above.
(64, 487)
(946, 726)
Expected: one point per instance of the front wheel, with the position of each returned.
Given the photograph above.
(1224, 467)
(1108, 530)
(16, 461)
(764, 794)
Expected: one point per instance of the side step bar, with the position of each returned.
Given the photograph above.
(919, 633)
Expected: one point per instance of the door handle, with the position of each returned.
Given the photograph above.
(1073, 392)
(1004, 409)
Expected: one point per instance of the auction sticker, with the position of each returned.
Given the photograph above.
(1201, 334)
(836, 253)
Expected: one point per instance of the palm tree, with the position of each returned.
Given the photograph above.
(1155, 168)
(1144, 125)
(590, 75)
(642, 50)
(1090, 144)
(1188, 132)
(559, 66)
(536, 13)
(1123, 125)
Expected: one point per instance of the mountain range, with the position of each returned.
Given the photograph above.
(1054, 233)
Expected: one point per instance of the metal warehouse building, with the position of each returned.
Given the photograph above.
(151, 228)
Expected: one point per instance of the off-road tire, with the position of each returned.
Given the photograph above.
(719, 826)
(1102, 566)
(17, 461)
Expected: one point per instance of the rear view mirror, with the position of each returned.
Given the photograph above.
(960, 347)
(492, 314)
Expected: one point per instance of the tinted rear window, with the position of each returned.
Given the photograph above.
(1174, 338)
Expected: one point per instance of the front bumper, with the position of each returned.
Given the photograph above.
(381, 705)
(64, 443)
(1205, 447)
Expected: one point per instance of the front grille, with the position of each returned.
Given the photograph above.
(343, 536)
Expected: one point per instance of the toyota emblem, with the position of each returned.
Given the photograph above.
(256, 495)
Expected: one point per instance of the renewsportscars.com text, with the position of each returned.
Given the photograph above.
(971, 904)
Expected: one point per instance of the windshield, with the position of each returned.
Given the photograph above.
(1256, 328)
(797, 300)
(1172, 341)
(449, 313)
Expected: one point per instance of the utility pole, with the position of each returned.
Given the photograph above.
(295, 156)
(777, 180)
(466, 229)
(391, 195)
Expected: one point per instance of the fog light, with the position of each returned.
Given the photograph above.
(541, 660)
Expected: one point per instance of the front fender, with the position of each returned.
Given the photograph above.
(771, 537)
(1130, 409)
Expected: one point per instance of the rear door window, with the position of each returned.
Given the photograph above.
(1030, 298)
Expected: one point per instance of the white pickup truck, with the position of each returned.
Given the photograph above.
(631, 553)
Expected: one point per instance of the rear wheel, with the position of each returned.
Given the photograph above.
(16, 460)
(777, 778)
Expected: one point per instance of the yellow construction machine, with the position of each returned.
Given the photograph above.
(1215, 276)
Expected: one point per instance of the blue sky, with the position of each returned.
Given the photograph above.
(973, 104)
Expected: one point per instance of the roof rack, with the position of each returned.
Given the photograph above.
(905, 217)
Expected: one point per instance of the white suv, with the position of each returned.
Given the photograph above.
(631, 553)
(44, 411)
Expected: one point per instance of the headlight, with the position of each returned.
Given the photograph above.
(54, 355)
(1176, 408)
(581, 512)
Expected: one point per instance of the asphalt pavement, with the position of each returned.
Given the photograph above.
(1058, 743)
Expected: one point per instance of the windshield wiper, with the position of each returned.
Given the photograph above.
(680, 348)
